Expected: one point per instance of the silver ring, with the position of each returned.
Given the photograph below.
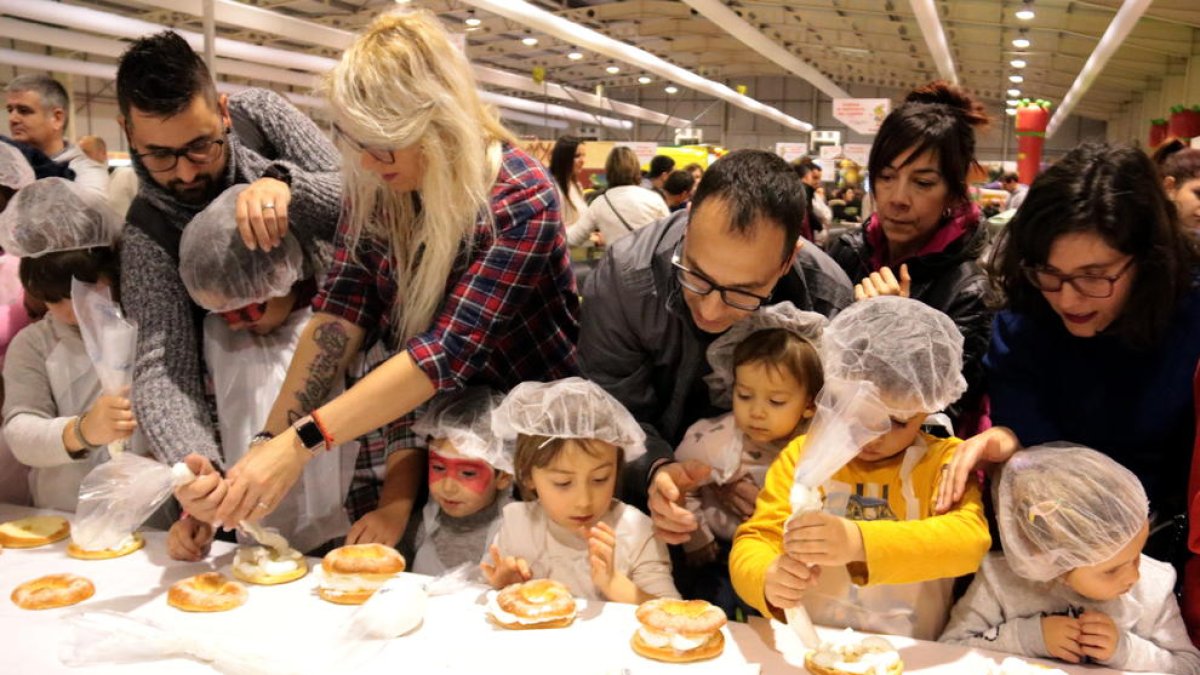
(268, 205)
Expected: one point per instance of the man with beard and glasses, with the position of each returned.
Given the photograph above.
(188, 145)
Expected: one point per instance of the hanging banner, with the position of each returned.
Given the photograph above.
(857, 152)
(645, 151)
(791, 151)
(831, 151)
(863, 115)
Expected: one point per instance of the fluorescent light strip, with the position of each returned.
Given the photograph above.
(257, 18)
(1123, 22)
(532, 119)
(552, 109)
(572, 33)
(716, 12)
(935, 38)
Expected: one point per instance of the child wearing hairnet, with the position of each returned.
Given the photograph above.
(1072, 582)
(470, 480)
(768, 370)
(874, 557)
(572, 440)
(258, 303)
(55, 418)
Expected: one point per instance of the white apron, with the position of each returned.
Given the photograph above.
(916, 610)
(248, 371)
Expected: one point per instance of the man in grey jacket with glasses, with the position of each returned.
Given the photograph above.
(664, 293)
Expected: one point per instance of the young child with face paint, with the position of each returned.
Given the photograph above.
(1072, 583)
(572, 440)
(873, 557)
(258, 304)
(470, 480)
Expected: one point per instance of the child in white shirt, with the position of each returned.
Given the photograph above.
(572, 440)
(1072, 582)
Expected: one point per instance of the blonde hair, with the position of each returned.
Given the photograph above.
(403, 84)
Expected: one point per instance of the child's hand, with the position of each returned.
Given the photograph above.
(1098, 635)
(787, 579)
(821, 538)
(109, 419)
(381, 526)
(505, 570)
(1061, 635)
(602, 549)
(739, 495)
(189, 539)
(702, 556)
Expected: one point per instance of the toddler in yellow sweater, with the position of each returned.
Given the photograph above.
(875, 557)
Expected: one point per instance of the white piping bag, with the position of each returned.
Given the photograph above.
(110, 340)
(849, 416)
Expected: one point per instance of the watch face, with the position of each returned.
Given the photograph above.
(310, 435)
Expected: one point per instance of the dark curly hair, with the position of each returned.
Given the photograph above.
(160, 75)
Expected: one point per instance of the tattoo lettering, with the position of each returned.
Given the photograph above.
(331, 340)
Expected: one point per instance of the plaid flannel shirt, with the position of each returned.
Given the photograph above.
(511, 309)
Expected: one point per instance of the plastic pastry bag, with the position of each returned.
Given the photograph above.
(398, 607)
(110, 340)
(100, 637)
(849, 415)
(116, 497)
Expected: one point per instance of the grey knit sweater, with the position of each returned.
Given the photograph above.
(168, 386)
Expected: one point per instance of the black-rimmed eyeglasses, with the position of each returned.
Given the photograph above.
(378, 154)
(199, 152)
(1090, 285)
(701, 285)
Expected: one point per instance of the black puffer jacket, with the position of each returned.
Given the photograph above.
(951, 281)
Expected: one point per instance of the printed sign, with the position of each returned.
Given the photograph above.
(645, 151)
(857, 152)
(863, 115)
(831, 151)
(791, 151)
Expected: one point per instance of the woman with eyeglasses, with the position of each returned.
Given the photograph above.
(925, 238)
(450, 254)
(1100, 335)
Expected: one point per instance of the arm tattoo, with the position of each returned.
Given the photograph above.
(331, 340)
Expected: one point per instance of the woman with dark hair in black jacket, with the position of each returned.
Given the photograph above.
(925, 238)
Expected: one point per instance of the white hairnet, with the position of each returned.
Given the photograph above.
(807, 325)
(910, 351)
(465, 420)
(53, 215)
(569, 408)
(15, 172)
(1063, 506)
(221, 273)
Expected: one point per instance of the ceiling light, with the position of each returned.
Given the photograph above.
(1017, 63)
(529, 41)
(473, 20)
(1021, 43)
(1012, 103)
(644, 80)
(1010, 111)
(574, 55)
(1014, 92)
(671, 89)
(1016, 79)
(613, 70)
(1026, 11)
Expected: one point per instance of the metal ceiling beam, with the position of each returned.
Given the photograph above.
(935, 38)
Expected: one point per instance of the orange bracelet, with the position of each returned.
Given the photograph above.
(321, 426)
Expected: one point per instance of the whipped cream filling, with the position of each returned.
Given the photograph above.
(127, 541)
(680, 643)
(255, 561)
(1014, 666)
(506, 617)
(349, 583)
(872, 655)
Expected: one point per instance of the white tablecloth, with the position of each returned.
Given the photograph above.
(292, 622)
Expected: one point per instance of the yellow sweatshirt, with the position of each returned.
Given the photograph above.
(901, 547)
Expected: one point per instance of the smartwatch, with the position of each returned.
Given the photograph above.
(310, 434)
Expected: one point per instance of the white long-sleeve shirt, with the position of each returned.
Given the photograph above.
(89, 173)
(637, 205)
(1003, 611)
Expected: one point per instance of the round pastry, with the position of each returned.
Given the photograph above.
(847, 655)
(264, 566)
(132, 543)
(679, 631)
(53, 590)
(541, 603)
(208, 592)
(34, 531)
(351, 574)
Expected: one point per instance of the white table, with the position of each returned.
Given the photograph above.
(291, 621)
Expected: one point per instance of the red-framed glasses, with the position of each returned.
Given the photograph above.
(244, 315)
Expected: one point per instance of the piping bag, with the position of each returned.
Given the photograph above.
(109, 339)
(849, 415)
(268, 537)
